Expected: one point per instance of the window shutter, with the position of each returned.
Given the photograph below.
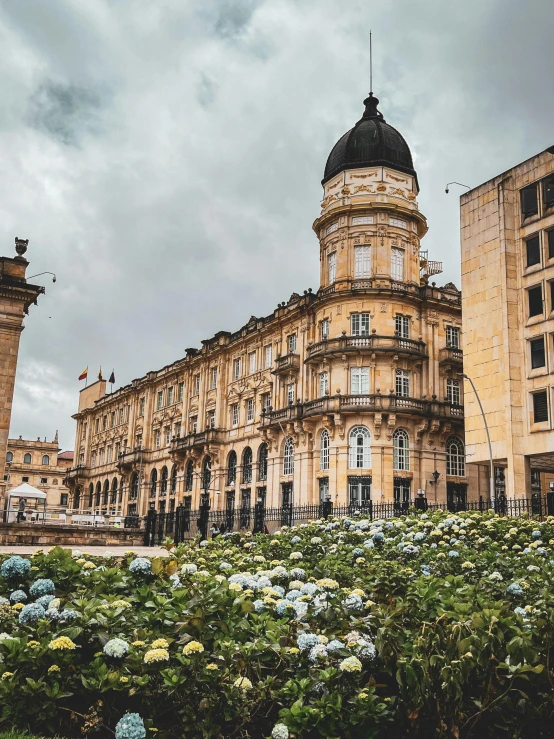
(540, 407)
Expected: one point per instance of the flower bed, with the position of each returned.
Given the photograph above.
(420, 626)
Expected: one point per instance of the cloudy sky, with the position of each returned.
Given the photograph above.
(164, 159)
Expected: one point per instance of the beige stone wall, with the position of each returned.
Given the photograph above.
(496, 322)
(45, 471)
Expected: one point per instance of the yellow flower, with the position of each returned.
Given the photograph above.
(156, 655)
(191, 647)
(234, 587)
(358, 591)
(34, 569)
(160, 644)
(369, 603)
(293, 650)
(123, 679)
(138, 643)
(360, 560)
(53, 668)
(18, 606)
(89, 566)
(97, 654)
(81, 561)
(242, 683)
(6, 675)
(362, 695)
(120, 604)
(33, 644)
(62, 642)
(212, 666)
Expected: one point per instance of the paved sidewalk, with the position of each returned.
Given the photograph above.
(24, 550)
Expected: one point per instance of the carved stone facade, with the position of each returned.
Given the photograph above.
(40, 463)
(352, 392)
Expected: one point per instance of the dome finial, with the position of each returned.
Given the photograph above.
(371, 102)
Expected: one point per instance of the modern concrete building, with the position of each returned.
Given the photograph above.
(507, 237)
(350, 392)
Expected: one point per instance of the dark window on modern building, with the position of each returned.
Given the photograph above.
(538, 355)
(552, 295)
(533, 248)
(529, 201)
(550, 237)
(548, 192)
(535, 301)
(540, 407)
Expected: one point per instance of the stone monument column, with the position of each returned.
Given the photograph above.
(16, 295)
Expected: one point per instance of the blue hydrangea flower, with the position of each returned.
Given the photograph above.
(280, 731)
(309, 588)
(307, 641)
(368, 544)
(41, 587)
(353, 602)
(514, 589)
(131, 726)
(279, 590)
(3, 601)
(225, 566)
(420, 536)
(297, 573)
(189, 569)
(116, 648)
(378, 537)
(411, 550)
(293, 594)
(357, 552)
(285, 607)
(18, 596)
(425, 570)
(453, 553)
(318, 652)
(52, 614)
(142, 566)
(536, 534)
(45, 600)
(67, 615)
(334, 645)
(259, 606)
(301, 609)
(520, 611)
(31, 613)
(15, 567)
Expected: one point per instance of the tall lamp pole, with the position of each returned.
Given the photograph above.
(491, 482)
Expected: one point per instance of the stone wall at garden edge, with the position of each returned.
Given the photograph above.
(52, 535)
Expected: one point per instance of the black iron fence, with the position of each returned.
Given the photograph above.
(184, 523)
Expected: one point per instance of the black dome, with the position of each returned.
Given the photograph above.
(372, 142)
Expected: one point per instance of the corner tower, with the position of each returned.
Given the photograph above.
(370, 226)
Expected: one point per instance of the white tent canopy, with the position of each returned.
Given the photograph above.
(26, 491)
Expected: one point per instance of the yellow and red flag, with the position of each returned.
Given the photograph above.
(84, 374)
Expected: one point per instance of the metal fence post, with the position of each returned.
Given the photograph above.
(326, 508)
(259, 517)
(179, 524)
(149, 533)
(203, 519)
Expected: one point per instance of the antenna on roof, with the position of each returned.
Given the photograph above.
(370, 65)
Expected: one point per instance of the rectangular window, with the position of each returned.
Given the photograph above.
(362, 261)
(213, 381)
(234, 415)
(535, 301)
(43, 480)
(359, 380)
(116, 450)
(197, 384)
(325, 329)
(181, 391)
(24, 479)
(170, 396)
(142, 407)
(97, 426)
(157, 439)
(105, 424)
(291, 343)
(359, 324)
(138, 441)
(101, 456)
(250, 409)
(63, 499)
(529, 201)
(548, 192)
(236, 369)
(167, 432)
(290, 393)
(402, 384)
(550, 239)
(332, 228)
(398, 223)
(194, 424)
(211, 419)
(397, 264)
(112, 420)
(533, 250)
(266, 402)
(332, 267)
(122, 415)
(160, 400)
(109, 450)
(252, 362)
(177, 430)
(362, 220)
(540, 407)
(402, 326)
(453, 337)
(268, 356)
(538, 354)
(323, 384)
(453, 391)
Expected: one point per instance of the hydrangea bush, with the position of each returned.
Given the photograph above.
(425, 625)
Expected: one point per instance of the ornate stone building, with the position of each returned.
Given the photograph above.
(351, 392)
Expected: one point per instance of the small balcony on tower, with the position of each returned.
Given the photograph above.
(134, 457)
(74, 474)
(286, 364)
(180, 445)
(452, 356)
(366, 344)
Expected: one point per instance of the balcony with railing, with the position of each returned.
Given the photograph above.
(371, 343)
(180, 445)
(132, 458)
(451, 355)
(74, 474)
(287, 363)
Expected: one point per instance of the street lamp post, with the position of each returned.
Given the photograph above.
(491, 483)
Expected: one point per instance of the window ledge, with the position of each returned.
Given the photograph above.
(537, 372)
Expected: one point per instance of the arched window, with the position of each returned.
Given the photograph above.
(45, 459)
(173, 480)
(455, 457)
(77, 501)
(134, 486)
(98, 492)
(153, 482)
(288, 457)
(247, 465)
(113, 499)
(106, 492)
(27, 459)
(401, 450)
(232, 468)
(189, 476)
(9, 457)
(163, 481)
(206, 473)
(90, 495)
(360, 448)
(324, 450)
(262, 462)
